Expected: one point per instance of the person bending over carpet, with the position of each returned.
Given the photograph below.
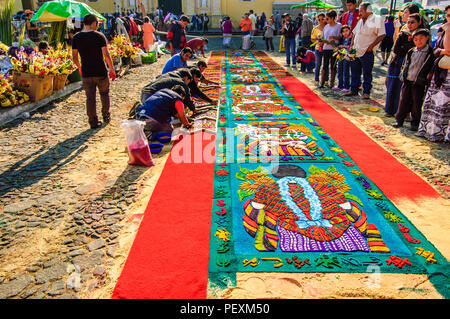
(167, 82)
(202, 66)
(178, 61)
(158, 110)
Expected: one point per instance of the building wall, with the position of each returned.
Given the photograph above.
(235, 9)
(109, 6)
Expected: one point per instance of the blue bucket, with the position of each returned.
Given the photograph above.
(164, 137)
(156, 148)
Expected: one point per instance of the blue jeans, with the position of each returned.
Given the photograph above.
(289, 46)
(344, 74)
(362, 65)
(319, 58)
(394, 87)
(308, 67)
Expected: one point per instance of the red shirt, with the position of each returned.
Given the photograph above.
(196, 44)
(355, 20)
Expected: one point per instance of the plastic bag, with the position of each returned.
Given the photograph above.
(137, 143)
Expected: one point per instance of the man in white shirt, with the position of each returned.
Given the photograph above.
(252, 17)
(367, 34)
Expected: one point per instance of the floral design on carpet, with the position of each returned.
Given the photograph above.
(300, 212)
(277, 138)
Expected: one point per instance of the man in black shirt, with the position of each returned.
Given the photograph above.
(92, 47)
(289, 30)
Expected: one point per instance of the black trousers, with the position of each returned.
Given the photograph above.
(269, 43)
(411, 100)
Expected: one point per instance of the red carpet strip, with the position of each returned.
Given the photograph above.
(395, 179)
(169, 256)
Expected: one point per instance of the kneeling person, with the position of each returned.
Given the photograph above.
(160, 107)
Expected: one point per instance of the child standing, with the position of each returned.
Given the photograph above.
(416, 66)
(268, 35)
(344, 65)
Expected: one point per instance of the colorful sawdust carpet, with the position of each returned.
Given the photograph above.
(287, 198)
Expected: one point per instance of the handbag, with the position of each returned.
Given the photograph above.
(444, 62)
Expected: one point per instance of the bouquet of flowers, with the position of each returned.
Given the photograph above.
(323, 41)
(33, 63)
(61, 58)
(10, 96)
(56, 61)
(344, 53)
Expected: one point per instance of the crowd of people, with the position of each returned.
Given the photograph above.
(338, 47)
(342, 46)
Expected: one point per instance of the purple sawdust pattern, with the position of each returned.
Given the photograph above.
(351, 240)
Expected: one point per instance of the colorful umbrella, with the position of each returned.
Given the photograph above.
(61, 10)
(166, 18)
(416, 3)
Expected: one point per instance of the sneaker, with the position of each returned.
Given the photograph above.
(107, 119)
(345, 90)
(366, 96)
(98, 125)
(336, 88)
(397, 125)
(351, 93)
(388, 115)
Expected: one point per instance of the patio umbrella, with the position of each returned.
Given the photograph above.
(61, 10)
(416, 3)
(315, 4)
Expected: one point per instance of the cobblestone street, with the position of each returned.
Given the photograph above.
(70, 204)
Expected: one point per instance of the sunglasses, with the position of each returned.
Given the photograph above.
(412, 22)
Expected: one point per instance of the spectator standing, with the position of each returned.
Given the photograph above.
(148, 30)
(277, 22)
(368, 33)
(269, 29)
(316, 34)
(435, 120)
(246, 27)
(205, 22)
(193, 22)
(200, 22)
(402, 45)
(91, 45)
(227, 31)
(176, 36)
(344, 65)
(351, 17)
(307, 26)
(288, 30)
(332, 34)
(388, 40)
(252, 17)
(32, 29)
(120, 27)
(418, 63)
